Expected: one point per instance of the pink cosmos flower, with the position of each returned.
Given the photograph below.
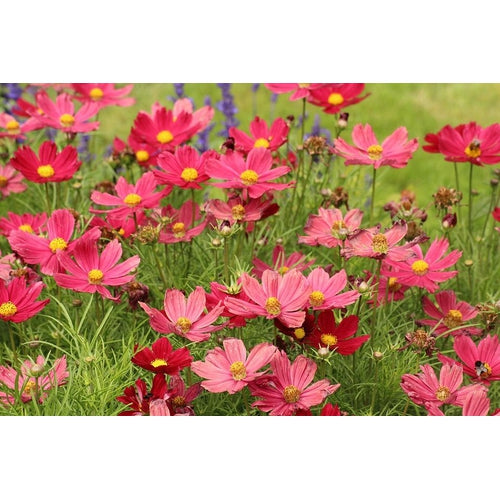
(251, 175)
(330, 228)
(31, 223)
(185, 316)
(299, 90)
(181, 225)
(333, 97)
(6, 262)
(61, 115)
(49, 166)
(231, 369)
(469, 143)
(481, 362)
(43, 249)
(261, 135)
(449, 314)
(201, 117)
(389, 288)
(426, 271)
(10, 127)
(326, 290)
(282, 263)
(103, 94)
(283, 297)
(130, 198)
(184, 168)
(138, 398)
(89, 272)
(218, 294)
(425, 388)
(34, 380)
(18, 301)
(394, 151)
(11, 181)
(289, 387)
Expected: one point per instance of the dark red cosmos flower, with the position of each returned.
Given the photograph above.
(162, 358)
(339, 338)
(301, 333)
(137, 397)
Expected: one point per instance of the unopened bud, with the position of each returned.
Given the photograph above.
(468, 262)
(377, 355)
(323, 352)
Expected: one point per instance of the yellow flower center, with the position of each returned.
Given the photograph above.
(29, 387)
(261, 143)
(45, 171)
(375, 152)
(473, 150)
(339, 229)
(158, 362)
(453, 318)
(26, 228)
(184, 324)
(3, 181)
(12, 127)
(299, 333)
(238, 212)
(393, 285)
(142, 155)
(316, 298)
(7, 309)
(335, 99)
(57, 244)
(443, 393)
(283, 269)
(238, 370)
(420, 267)
(67, 120)
(179, 229)
(189, 174)
(95, 276)
(303, 85)
(178, 401)
(132, 199)
(329, 339)
(164, 137)
(96, 94)
(379, 243)
(273, 306)
(249, 177)
(291, 394)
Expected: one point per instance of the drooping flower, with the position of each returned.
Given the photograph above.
(103, 94)
(251, 175)
(18, 301)
(185, 316)
(138, 398)
(449, 315)
(395, 151)
(231, 369)
(31, 223)
(281, 296)
(11, 181)
(90, 272)
(162, 357)
(182, 223)
(49, 166)
(289, 388)
(333, 97)
(281, 262)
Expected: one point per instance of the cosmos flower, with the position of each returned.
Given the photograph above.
(281, 262)
(298, 90)
(181, 223)
(180, 397)
(11, 181)
(18, 301)
(138, 398)
(10, 127)
(333, 97)
(31, 223)
(103, 94)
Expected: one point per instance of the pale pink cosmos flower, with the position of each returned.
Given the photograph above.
(34, 380)
(281, 262)
(280, 296)
(182, 223)
(326, 290)
(90, 272)
(251, 175)
(394, 151)
(103, 94)
(449, 315)
(330, 227)
(290, 386)
(10, 127)
(475, 403)
(185, 316)
(231, 369)
(11, 181)
(298, 90)
(426, 271)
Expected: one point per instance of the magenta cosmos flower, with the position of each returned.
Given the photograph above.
(469, 143)
(162, 357)
(103, 94)
(326, 290)
(49, 166)
(281, 262)
(182, 225)
(231, 368)
(330, 228)
(34, 380)
(201, 117)
(261, 135)
(281, 297)
(11, 181)
(395, 151)
(18, 301)
(289, 388)
(426, 271)
(448, 315)
(31, 223)
(185, 316)
(251, 175)
(333, 97)
(90, 272)
(299, 90)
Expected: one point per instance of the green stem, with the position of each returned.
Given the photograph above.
(372, 202)
(375, 298)
(458, 188)
(488, 213)
(470, 198)
(12, 342)
(303, 193)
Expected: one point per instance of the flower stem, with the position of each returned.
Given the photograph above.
(458, 188)
(372, 201)
(470, 198)
(375, 298)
